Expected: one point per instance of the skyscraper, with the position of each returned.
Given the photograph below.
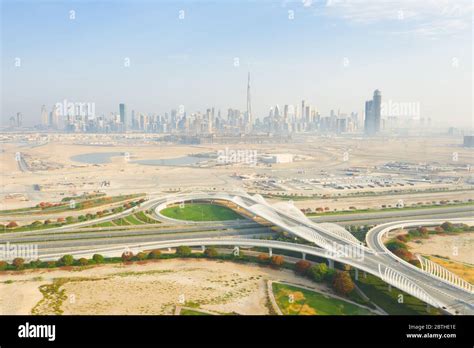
(19, 119)
(44, 116)
(123, 115)
(377, 104)
(54, 117)
(249, 105)
(372, 114)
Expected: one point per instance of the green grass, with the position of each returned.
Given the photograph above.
(133, 220)
(377, 291)
(104, 224)
(121, 222)
(185, 311)
(312, 303)
(82, 202)
(145, 218)
(31, 228)
(201, 212)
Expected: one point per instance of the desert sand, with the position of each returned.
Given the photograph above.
(155, 287)
(455, 247)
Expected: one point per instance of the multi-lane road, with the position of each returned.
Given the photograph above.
(374, 218)
(81, 239)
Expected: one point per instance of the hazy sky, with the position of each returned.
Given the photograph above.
(333, 54)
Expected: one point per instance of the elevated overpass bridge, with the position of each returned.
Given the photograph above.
(330, 241)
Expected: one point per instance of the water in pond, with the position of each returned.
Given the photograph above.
(96, 157)
(105, 157)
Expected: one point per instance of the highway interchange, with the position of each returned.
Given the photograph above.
(81, 239)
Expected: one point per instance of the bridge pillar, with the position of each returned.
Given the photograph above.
(270, 252)
(331, 264)
(428, 307)
(303, 255)
(365, 274)
(169, 249)
(203, 248)
(389, 287)
(356, 276)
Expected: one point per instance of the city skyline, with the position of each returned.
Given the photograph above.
(189, 58)
(378, 117)
(233, 158)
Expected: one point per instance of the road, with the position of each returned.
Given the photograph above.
(452, 297)
(374, 218)
(334, 244)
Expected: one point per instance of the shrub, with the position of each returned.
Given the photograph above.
(35, 263)
(98, 258)
(83, 261)
(277, 260)
(3, 265)
(183, 250)
(447, 226)
(66, 260)
(302, 267)
(342, 283)
(404, 254)
(263, 258)
(12, 224)
(18, 263)
(141, 256)
(402, 238)
(423, 231)
(154, 254)
(318, 272)
(395, 244)
(127, 256)
(329, 277)
(51, 264)
(211, 252)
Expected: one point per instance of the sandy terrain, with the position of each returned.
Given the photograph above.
(455, 247)
(151, 288)
(317, 153)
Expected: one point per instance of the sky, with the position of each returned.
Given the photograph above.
(156, 55)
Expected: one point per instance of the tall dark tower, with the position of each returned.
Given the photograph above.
(372, 114)
(249, 105)
(377, 103)
(123, 116)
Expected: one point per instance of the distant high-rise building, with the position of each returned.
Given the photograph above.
(249, 104)
(123, 115)
(54, 117)
(44, 116)
(377, 109)
(19, 119)
(372, 114)
(468, 141)
(368, 121)
(285, 112)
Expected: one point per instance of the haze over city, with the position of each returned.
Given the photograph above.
(236, 158)
(197, 54)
